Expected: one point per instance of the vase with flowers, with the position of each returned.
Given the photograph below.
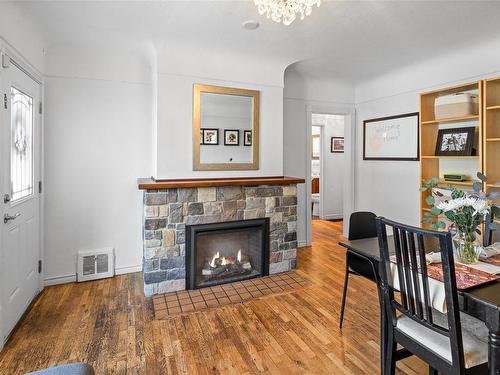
(466, 210)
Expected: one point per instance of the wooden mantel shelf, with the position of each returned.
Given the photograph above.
(153, 184)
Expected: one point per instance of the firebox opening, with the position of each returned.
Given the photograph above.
(226, 252)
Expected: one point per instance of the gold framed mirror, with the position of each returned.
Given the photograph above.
(225, 128)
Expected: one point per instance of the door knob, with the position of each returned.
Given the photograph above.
(6, 198)
(7, 217)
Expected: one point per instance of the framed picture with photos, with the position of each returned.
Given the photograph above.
(231, 137)
(337, 145)
(247, 137)
(455, 142)
(210, 136)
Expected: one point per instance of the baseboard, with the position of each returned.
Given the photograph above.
(65, 279)
(333, 217)
(302, 243)
(128, 269)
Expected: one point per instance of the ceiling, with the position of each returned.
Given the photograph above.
(350, 40)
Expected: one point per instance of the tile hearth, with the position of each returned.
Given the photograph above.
(171, 304)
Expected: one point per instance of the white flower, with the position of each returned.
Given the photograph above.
(480, 206)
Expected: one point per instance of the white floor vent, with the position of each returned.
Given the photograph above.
(95, 264)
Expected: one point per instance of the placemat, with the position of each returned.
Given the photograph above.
(467, 277)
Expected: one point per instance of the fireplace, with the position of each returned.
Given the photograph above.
(225, 252)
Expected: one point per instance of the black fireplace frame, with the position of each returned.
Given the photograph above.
(224, 227)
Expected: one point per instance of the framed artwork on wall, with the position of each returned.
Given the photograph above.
(337, 145)
(231, 137)
(210, 136)
(247, 137)
(455, 142)
(391, 138)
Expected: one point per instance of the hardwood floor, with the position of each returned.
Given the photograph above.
(109, 324)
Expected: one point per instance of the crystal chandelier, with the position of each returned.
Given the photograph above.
(285, 10)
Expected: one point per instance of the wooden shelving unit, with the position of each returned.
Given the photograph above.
(435, 166)
(491, 142)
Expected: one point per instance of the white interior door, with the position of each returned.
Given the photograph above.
(20, 133)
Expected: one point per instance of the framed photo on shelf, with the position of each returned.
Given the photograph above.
(337, 145)
(455, 142)
(391, 138)
(231, 137)
(247, 137)
(209, 136)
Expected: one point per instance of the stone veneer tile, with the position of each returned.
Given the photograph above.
(167, 212)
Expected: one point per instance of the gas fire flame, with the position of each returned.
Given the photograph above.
(239, 255)
(216, 256)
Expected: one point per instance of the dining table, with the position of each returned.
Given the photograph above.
(481, 302)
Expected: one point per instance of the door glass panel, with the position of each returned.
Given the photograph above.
(21, 144)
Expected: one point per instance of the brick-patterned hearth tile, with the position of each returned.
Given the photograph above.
(185, 302)
(223, 300)
(183, 294)
(171, 297)
(276, 289)
(212, 303)
(217, 288)
(209, 297)
(174, 310)
(193, 293)
(220, 294)
(266, 291)
(256, 294)
(245, 296)
(187, 308)
(231, 292)
(252, 288)
(197, 299)
(171, 304)
(200, 305)
(206, 291)
(235, 298)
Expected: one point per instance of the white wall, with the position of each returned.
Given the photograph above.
(176, 75)
(98, 137)
(390, 188)
(22, 34)
(304, 95)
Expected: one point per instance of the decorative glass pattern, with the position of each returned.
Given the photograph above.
(21, 144)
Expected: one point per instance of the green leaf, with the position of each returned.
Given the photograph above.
(427, 214)
(441, 225)
(422, 189)
(426, 221)
(434, 226)
(435, 211)
(450, 215)
(430, 200)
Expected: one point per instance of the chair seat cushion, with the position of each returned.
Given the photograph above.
(71, 369)
(474, 337)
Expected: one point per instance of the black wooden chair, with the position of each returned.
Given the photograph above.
(488, 232)
(361, 225)
(452, 343)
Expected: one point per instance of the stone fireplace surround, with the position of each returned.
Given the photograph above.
(170, 205)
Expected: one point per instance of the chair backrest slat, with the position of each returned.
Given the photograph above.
(425, 281)
(412, 271)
